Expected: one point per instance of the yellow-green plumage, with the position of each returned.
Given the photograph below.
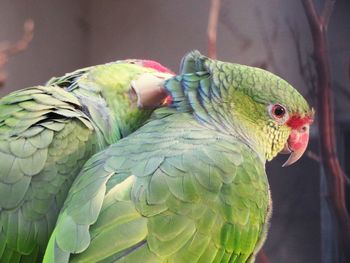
(46, 135)
(188, 186)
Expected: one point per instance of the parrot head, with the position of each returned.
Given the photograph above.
(253, 104)
(273, 114)
(284, 129)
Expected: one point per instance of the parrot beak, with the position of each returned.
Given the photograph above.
(296, 144)
(148, 90)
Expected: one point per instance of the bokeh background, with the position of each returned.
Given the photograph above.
(270, 34)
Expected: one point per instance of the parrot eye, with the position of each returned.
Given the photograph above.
(278, 112)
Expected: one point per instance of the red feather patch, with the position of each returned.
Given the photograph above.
(157, 66)
(296, 122)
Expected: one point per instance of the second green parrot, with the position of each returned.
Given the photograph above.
(48, 132)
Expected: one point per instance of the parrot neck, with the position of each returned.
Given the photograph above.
(249, 122)
(257, 136)
(238, 116)
(260, 137)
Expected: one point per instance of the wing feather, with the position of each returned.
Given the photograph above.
(35, 126)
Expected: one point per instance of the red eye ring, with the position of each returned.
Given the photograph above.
(278, 111)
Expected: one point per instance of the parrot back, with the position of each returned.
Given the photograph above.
(173, 191)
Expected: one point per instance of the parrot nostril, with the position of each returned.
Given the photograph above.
(303, 129)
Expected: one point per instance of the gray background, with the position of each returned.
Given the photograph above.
(73, 34)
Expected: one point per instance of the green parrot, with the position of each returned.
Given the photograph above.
(46, 135)
(190, 185)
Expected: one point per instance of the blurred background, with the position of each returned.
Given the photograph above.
(271, 34)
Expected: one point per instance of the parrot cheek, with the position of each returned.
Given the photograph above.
(296, 144)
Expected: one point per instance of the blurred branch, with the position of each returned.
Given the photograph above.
(333, 171)
(327, 12)
(315, 157)
(212, 27)
(8, 50)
